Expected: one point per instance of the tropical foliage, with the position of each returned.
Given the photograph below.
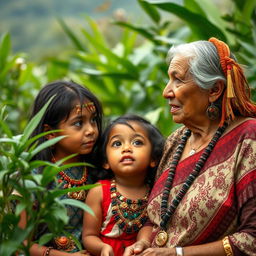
(128, 75)
(19, 190)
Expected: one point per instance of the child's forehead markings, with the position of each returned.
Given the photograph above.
(89, 106)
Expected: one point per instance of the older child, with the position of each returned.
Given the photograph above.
(132, 148)
(78, 114)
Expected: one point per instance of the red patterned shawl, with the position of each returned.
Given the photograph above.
(221, 201)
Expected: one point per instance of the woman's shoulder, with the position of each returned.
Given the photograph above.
(242, 125)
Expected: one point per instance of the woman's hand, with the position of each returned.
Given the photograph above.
(158, 252)
(136, 248)
(107, 250)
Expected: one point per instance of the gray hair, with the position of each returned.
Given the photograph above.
(204, 63)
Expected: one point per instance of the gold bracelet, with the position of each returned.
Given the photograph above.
(227, 246)
(47, 251)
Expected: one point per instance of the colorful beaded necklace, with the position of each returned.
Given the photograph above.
(70, 182)
(166, 213)
(129, 214)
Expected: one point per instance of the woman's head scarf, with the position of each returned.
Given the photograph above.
(237, 94)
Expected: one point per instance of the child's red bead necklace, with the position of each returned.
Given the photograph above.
(74, 181)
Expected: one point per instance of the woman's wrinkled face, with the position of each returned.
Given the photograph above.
(188, 102)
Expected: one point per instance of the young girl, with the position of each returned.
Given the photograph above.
(132, 148)
(78, 114)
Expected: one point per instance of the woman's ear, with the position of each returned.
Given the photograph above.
(50, 135)
(216, 91)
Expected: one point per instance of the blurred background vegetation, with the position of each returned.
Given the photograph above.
(116, 48)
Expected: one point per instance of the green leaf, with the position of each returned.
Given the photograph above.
(153, 116)
(77, 242)
(96, 32)
(46, 144)
(248, 47)
(37, 163)
(31, 140)
(3, 113)
(248, 8)
(2, 174)
(9, 140)
(20, 207)
(79, 204)
(61, 192)
(8, 65)
(151, 11)
(71, 35)
(193, 6)
(142, 31)
(201, 26)
(5, 128)
(118, 75)
(15, 239)
(58, 212)
(240, 4)
(112, 57)
(210, 10)
(61, 161)
(5, 46)
(34, 122)
(44, 239)
(50, 171)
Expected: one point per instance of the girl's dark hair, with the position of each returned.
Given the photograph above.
(155, 137)
(66, 95)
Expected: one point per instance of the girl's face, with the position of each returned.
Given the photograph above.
(128, 150)
(81, 132)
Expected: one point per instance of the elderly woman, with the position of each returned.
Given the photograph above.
(204, 201)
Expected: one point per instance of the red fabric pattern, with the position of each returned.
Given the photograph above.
(110, 233)
(219, 201)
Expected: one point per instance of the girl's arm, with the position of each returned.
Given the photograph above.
(38, 250)
(92, 225)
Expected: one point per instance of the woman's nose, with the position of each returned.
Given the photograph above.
(168, 91)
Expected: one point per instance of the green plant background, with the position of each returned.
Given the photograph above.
(128, 74)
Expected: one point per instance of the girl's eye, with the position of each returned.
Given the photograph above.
(137, 142)
(116, 143)
(78, 123)
(94, 119)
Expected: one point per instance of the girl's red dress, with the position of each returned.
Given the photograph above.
(110, 232)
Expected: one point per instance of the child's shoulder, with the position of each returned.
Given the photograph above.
(100, 185)
(105, 182)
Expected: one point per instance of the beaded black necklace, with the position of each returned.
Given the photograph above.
(166, 213)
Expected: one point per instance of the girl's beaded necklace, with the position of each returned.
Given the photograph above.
(166, 213)
(70, 182)
(129, 214)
